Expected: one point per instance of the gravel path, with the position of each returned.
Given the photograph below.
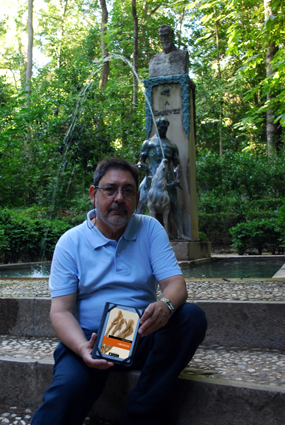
(198, 289)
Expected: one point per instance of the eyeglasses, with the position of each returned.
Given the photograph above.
(112, 192)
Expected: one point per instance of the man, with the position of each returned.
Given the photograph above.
(151, 151)
(171, 61)
(117, 256)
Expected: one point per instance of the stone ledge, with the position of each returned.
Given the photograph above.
(205, 401)
(232, 323)
(25, 317)
(245, 324)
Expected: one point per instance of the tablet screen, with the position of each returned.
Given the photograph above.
(118, 333)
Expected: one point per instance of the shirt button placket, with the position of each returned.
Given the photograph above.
(117, 261)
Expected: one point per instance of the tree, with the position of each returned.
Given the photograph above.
(135, 54)
(105, 53)
(273, 128)
(29, 52)
(72, 121)
(243, 39)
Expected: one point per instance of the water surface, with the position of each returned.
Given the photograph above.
(239, 268)
(231, 268)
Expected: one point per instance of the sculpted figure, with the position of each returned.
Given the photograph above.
(151, 151)
(158, 200)
(171, 61)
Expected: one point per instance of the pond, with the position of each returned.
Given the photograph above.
(255, 267)
(234, 267)
(25, 270)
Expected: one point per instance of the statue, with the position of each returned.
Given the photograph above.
(158, 200)
(151, 151)
(171, 61)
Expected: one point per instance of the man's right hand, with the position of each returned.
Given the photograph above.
(86, 354)
(70, 333)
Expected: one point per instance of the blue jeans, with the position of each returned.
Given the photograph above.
(160, 356)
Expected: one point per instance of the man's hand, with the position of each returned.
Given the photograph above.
(70, 333)
(86, 352)
(155, 316)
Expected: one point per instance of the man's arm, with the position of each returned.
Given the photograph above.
(157, 314)
(70, 333)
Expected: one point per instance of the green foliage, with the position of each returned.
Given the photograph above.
(241, 175)
(258, 234)
(48, 151)
(23, 238)
(216, 227)
(203, 237)
(280, 222)
(228, 58)
(236, 189)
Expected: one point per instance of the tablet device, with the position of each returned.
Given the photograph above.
(118, 334)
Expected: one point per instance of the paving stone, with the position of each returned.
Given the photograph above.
(268, 290)
(18, 416)
(257, 365)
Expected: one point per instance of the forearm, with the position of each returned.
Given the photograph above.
(157, 314)
(175, 290)
(68, 330)
(70, 333)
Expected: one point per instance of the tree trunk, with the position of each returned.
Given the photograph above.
(220, 97)
(106, 68)
(29, 52)
(180, 26)
(61, 30)
(145, 7)
(273, 130)
(135, 54)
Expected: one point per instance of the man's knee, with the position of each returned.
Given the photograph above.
(76, 387)
(191, 316)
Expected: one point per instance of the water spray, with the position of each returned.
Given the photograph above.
(76, 114)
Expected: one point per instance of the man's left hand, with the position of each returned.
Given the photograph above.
(155, 316)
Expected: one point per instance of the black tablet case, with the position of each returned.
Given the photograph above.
(96, 354)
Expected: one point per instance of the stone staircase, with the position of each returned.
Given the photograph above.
(236, 377)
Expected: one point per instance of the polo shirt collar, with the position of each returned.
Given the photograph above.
(97, 239)
(130, 234)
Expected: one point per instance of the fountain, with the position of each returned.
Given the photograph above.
(171, 95)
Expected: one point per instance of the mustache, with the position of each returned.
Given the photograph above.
(118, 207)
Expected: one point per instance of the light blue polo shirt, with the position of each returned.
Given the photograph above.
(102, 270)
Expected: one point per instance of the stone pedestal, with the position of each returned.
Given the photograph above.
(187, 251)
(173, 96)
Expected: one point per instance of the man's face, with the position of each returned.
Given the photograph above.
(114, 212)
(166, 39)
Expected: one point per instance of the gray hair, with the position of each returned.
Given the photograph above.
(114, 164)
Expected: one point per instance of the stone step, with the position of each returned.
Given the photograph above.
(221, 385)
(230, 323)
(237, 376)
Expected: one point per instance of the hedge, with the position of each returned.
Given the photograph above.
(258, 234)
(25, 239)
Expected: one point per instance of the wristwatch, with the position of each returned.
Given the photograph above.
(169, 305)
